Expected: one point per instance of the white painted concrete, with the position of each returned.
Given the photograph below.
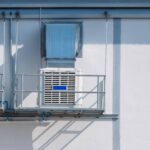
(56, 134)
(135, 85)
(29, 59)
(87, 134)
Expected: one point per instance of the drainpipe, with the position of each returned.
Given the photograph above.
(106, 51)
(3, 74)
(11, 63)
(17, 15)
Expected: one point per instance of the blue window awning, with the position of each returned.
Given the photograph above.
(61, 41)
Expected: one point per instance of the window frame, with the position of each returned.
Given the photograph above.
(79, 39)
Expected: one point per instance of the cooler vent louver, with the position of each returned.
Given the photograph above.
(59, 87)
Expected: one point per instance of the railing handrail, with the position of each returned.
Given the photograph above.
(99, 92)
(59, 91)
(90, 75)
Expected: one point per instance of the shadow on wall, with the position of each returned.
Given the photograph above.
(59, 134)
(17, 136)
(41, 135)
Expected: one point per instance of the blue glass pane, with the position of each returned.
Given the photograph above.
(60, 87)
(60, 40)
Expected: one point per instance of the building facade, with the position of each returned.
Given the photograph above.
(74, 75)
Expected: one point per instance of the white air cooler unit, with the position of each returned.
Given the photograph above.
(58, 86)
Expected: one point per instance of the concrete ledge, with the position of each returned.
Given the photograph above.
(23, 115)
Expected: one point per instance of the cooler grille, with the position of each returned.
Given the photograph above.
(65, 95)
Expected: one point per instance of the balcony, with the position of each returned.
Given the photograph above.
(88, 94)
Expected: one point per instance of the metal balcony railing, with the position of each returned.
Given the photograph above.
(28, 93)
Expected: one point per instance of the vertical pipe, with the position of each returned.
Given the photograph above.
(106, 41)
(3, 75)
(116, 80)
(40, 77)
(11, 75)
(16, 55)
(16, 60)
(40, 27)
(106, 49)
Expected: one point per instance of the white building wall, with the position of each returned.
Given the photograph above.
(67, 134)
(59, 133)
(135, 84)
(132, 80)
(29, 59)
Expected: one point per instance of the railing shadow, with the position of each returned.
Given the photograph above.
(68, 132)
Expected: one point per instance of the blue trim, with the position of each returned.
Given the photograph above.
(73, 3)
(60, 87)
(53, 49)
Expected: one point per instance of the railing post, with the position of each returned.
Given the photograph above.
(2, 94)
(15, 93)
(21, 90)
(103, 107)
(40, 91)
(98, 96)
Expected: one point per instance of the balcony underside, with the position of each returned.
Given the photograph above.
(22, 115)
(33, 112)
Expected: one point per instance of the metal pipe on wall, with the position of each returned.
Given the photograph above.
(3, 78)
(86, 13)
(11, 63)
(17, 14)
(45, 118)
(17, 29)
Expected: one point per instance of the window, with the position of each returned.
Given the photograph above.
(63, 40)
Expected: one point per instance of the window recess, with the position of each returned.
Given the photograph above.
(62, 41)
